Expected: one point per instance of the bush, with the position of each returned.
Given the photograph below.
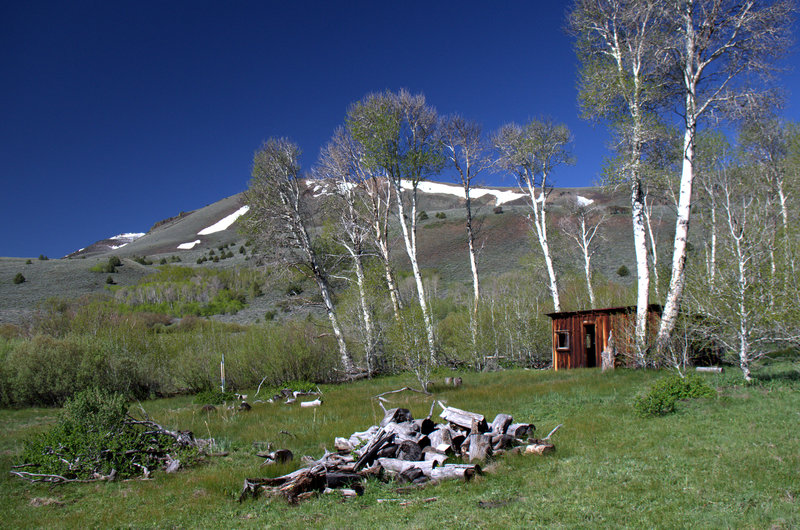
(242, 250)
(28, 262)
(270, 315)
(110, 280)
(94, 436)
(665, 393)
(162, 261)
(422, 216)
(42, 257)
(104, 267)
(441, 215)
(623, 271)
(19, 278)
(114, 261)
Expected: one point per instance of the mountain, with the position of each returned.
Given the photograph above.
(504, 237)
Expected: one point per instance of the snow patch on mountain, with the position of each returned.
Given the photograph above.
(224, 223)
(120, 240)
(190, 245)
(500, 196)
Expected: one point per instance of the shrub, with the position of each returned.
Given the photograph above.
(19, 278)
(498, 209)
(211, 252)
(270, 315)
(623, 271)
(110, 280)
(142, 260)
(95, 436)
(665, 393)
(441, 215)
(42, 257)
(28, 262)
(242, 250)
(114, 261)
(162, 261)
(200, 261)
(103, 267)
(422, 216)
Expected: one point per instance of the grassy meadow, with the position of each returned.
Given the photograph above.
(727, 461)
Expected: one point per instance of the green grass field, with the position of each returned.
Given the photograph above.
(729, 461)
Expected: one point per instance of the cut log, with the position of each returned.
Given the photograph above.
(395, 465)
(439, 436)
(412, 475)
(439, 458)
(316, 403)
(397, 415)
(503, 441)
(520, 430)
(501, 423)
(388, 451)
(404, 431)
(369, 454)
(539, 447)
(425, 425)
(338, 479)
(410, 451)
(453, 471)
(463, 418)
(342, 444)
(479, 447)
(709, 369)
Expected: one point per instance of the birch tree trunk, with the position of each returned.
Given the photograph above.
(408, 225)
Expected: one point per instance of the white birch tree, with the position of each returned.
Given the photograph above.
(279, 219)
(340, 165)
(466, 152)
(719, 48)
(398, 135)
(531, 153)
(581, 225)
(621, 48)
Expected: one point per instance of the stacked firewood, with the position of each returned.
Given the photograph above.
(407, 450)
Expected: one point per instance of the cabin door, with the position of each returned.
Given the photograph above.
(589, 345)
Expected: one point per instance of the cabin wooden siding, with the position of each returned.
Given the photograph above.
(618, 320)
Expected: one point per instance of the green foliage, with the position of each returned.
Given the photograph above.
(242, 250)
(162, 261)
(42, 257)
(422, 216)
(93, 436)
(19, 278)
(665, 393)
(110, 280)
(441, 215)
(142, 260)
(110, 266)
(623, 271)
(270, 315)
(28, 262)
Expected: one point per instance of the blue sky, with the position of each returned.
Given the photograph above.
(114, 115)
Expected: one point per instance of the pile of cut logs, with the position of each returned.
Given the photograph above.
(408, 450)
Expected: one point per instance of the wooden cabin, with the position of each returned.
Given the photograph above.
(579, 337)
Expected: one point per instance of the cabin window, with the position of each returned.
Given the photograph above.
(562, 340)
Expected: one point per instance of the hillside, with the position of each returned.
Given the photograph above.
(504, 237)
